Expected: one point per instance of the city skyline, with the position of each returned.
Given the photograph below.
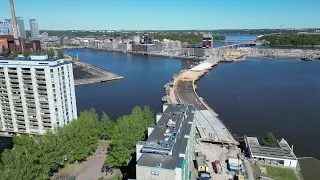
(166, 15)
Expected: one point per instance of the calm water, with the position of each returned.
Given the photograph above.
(144, 78)
(257, 96)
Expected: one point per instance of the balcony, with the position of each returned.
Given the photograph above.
(2, 80)
(4, 102)
(7, 120)
(44, 106)
(12, 70)
(40, 77)
(42, 91)
(6, 107)
(13, 80)
(45, 115)
(2, 88)
(40, 71)
(28, 84)
(20, 117)
(33, 119)
(29, 95)
(46, 120)
(14, 85)
(30, 99)
(4, 97)
(31, 105)
(33, 122)
(41, 83)
(28, 90)
(21, 122)
(15, 90)
(22, 130)
(7, 116)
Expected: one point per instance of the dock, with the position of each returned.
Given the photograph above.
(210, 128)
(85, 73)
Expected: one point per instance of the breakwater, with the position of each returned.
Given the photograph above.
(85, 73)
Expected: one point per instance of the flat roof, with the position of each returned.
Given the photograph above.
(28, 59)
(211, 128)
(163, 146)
(283, 151)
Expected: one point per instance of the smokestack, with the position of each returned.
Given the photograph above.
(14, 21)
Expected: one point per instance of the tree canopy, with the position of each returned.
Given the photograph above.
(38, 157)
(292, 40)
(269, 140)
(60, 54)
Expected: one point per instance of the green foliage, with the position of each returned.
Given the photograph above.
(292, 40)
(50, 53)
(38, 157)
(131, 129)
(26, 53)
(269, 140)
(39, 52)
(60, 54)
(188, 38)
(13, 54)
(109, 128)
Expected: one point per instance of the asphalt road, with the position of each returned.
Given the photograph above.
(186, 93)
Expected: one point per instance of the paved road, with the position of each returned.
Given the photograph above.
(186, 93)
(92, 170)
(249, 169)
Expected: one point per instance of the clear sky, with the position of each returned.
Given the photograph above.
(166, 14)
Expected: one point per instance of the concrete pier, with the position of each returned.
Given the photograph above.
(85, 73)
(209, 126)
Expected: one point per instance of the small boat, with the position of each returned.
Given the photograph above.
(164, 99)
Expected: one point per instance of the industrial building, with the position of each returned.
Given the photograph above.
(10, 44)
(282, 154)
(207, 41)
(168, 152)
(36, 94)
(34, 29)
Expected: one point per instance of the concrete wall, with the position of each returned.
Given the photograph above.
(148, 173)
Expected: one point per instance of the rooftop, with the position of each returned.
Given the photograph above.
(32, 58)
(283, 151)
(167, 140)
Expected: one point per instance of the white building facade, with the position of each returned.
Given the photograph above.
(36, 95)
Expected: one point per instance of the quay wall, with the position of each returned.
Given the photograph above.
(96, 74)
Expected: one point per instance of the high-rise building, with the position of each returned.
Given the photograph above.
(36, 94)
(34, 29)
(4, 28)
(21, 27)
(169, 150)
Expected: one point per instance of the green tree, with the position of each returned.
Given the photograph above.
(60, 54)
(109, 128)
(26, 53)
(269, 140)
(13, 54)
(50, 53)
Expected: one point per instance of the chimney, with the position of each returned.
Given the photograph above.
(14, 21)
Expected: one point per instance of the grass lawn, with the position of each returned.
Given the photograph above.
(277, 173)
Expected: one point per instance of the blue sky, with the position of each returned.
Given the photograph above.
(166, 14)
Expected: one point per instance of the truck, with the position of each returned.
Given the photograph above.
(217, 167)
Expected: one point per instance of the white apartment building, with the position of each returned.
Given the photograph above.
(36, 94)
